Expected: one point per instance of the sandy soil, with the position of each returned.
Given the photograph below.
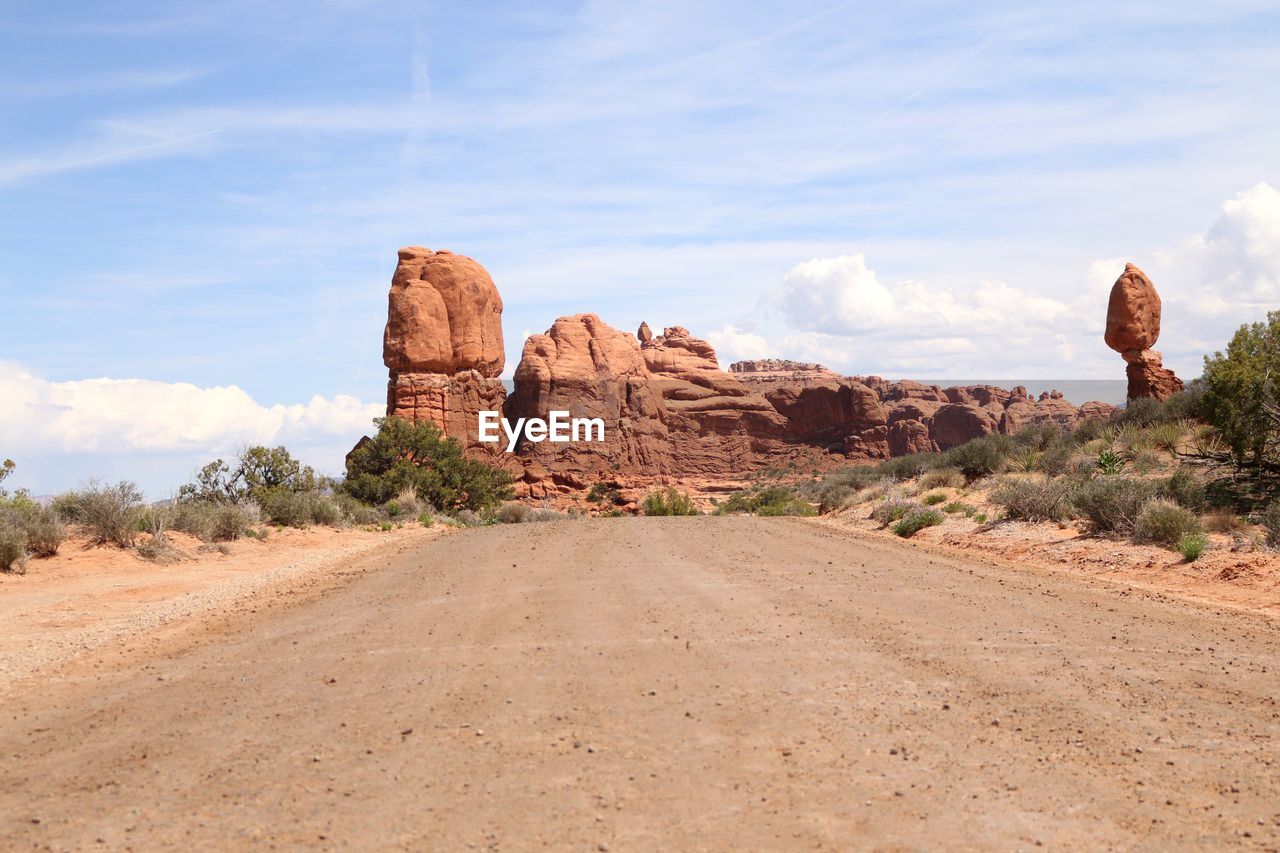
(691, 683)
(85, 597)
(1233, 572)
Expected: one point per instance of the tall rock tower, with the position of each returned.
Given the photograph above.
(1133, 326)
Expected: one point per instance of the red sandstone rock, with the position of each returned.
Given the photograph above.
(444, 315)
(956, 423)
(909, 436)
(644, 334)
(1148, 377)
(586, 367)
(1133, 326)
(443, 341)
(1133, 312)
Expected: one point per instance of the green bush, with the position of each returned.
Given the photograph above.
(1241, 393)
(605, 493)
(768, 501)
(1110, 463)
(1165, 523)
(933, 499)
(45, 533)
(915, 521)
(110, 515)
(907, 467)
(669, 502)
(1192, 545)
(13, 548)
(1036, 436)
(417, 457)
(1185, 490)
(1034, 498)
(426, 519)
(300, 509)
(1110, 505)
(942, 478)
(960, 508)
(894, 509)
(981, 457)
(1057, 459)
(1270, 521)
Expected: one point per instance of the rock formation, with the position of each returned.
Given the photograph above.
(1133, 326)
(586, 367)
(443, 341)
(669, 409)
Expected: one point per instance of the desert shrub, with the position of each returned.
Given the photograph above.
(981, 457)
(1036, 436)
(668, 502)
(1024, 459)
(45, 533)
(426, 519)
(914, 522)
(1192, 545)
(1167, 435)
(110, 515)
(417, 457)
(942, 478)
(1057, 458)
(254, 471)
(604, 493)
(894, 509)
(13, 549)
(768, 501)
(513, 513)
(933, 499)
(1185, 490)
(404, 505)
(468, 518)
(1270, 520)
(981, 518)
(1034, 498)
(158, 549)
(907, 467)
(1164, 522)
(1223, 519)
(1110, 505)
(228, 523)
(960, 508)
(832, 492)
(6, 468)
(299, 509)
(1142, 412)
(1109, 463)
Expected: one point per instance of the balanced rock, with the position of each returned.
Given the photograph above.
(1133, 327)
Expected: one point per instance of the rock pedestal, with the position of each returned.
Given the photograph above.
(1133, 326)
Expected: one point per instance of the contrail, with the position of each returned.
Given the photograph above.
(926, 87)
(114, 154)
(764, 39)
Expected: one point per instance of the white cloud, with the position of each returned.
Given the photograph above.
(42, 417)
(734, 344)
(842, 296)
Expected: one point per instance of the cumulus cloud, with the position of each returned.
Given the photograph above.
(734, 344)
(42, 417)
(1240, 253)
(843, 296)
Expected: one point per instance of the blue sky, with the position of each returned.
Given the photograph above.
(200, 196)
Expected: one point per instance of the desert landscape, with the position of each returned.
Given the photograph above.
(830, 427)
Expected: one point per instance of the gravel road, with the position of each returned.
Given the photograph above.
(687, 683)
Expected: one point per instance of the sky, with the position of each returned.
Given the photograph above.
(200, 204)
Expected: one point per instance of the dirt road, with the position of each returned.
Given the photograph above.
(692, 683)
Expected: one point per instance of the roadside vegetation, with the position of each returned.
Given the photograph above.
(1206, 461)
(406, 474)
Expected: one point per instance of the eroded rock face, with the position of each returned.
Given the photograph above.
(586, 367)
(669, 409)
(443, 341)
(1133, 327)
(444, 316)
